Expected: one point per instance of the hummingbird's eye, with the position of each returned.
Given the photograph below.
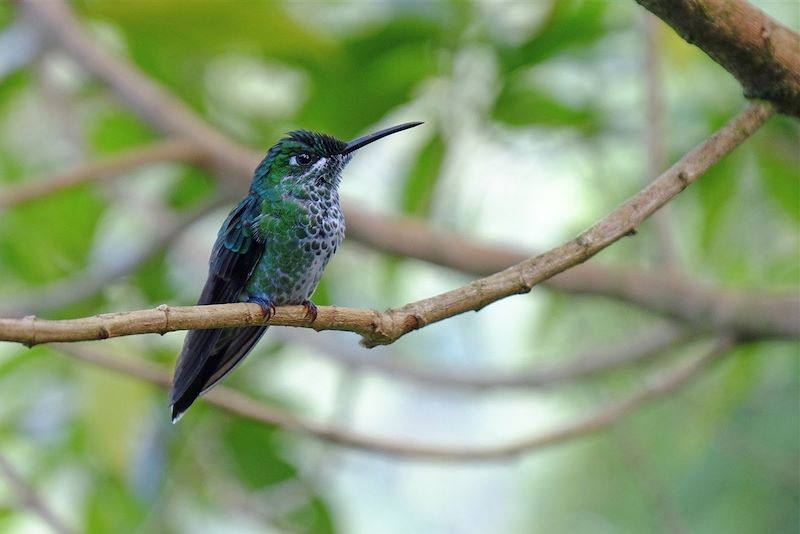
(302, 159)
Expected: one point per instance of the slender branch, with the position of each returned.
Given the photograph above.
(761, 53)
(112, 166)
(29, 498)
(642, 347)
(661, 292)
(665, 292)
(386, 327)
(600, 419)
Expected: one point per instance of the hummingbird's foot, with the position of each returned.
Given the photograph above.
(266, 304)
(311, 310)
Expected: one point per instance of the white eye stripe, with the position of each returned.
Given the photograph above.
(311, 169)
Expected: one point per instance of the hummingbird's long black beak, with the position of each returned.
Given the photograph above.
(355, 144)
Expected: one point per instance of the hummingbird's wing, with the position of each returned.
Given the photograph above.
(210, 354)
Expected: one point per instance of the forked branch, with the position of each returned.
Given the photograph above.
(386, 327)
(763, 54)
(660, 292)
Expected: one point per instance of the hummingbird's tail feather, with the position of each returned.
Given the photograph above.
(208, 356)
(241, 342)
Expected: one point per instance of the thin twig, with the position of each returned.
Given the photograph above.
(109, 167)
(29, 498)
(600, 419)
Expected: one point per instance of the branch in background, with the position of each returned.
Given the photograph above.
(150, 100)
(654, 135)
(28, 497)
(660, 292)
(760, 52)
(663, 292)
(112, 166)
(621, 222)
(600, 419)
(92, 281)
(344, 403)
(386, 327)
(644, 346)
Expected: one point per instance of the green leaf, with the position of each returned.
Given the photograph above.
(252, 451)
(374, 72)
(153, 281)
(172, 41)
(314, 518)
(322, 295)
(779, 163)
(110, 507)
(11, 85)
(49, 238)
(569, 24)
(715, 192)
(422, 179)
(191, 187)
(6, 11)
(523, 104)
(117, 130)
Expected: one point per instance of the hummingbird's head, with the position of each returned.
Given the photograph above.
(305, 158)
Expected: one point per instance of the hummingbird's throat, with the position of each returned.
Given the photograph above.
(328, 170)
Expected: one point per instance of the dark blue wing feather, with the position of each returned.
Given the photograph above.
(208, 355)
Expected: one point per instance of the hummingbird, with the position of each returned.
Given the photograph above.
(271, 251)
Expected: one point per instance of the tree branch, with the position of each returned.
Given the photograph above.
(643, 346)
(760, 52)
(600, 419)
(664, 292)
(661, 292)
(170, 150)
(386, 327)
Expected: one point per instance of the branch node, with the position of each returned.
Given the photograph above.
(632, 232)
(103, 333)
(32, 320)
(165, 310)
(524, 285)
(414, 322)
(477, 286)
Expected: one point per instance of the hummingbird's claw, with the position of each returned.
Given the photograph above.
(311, 310)
(267, 306)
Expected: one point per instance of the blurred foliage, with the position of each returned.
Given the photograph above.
(518, 101)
